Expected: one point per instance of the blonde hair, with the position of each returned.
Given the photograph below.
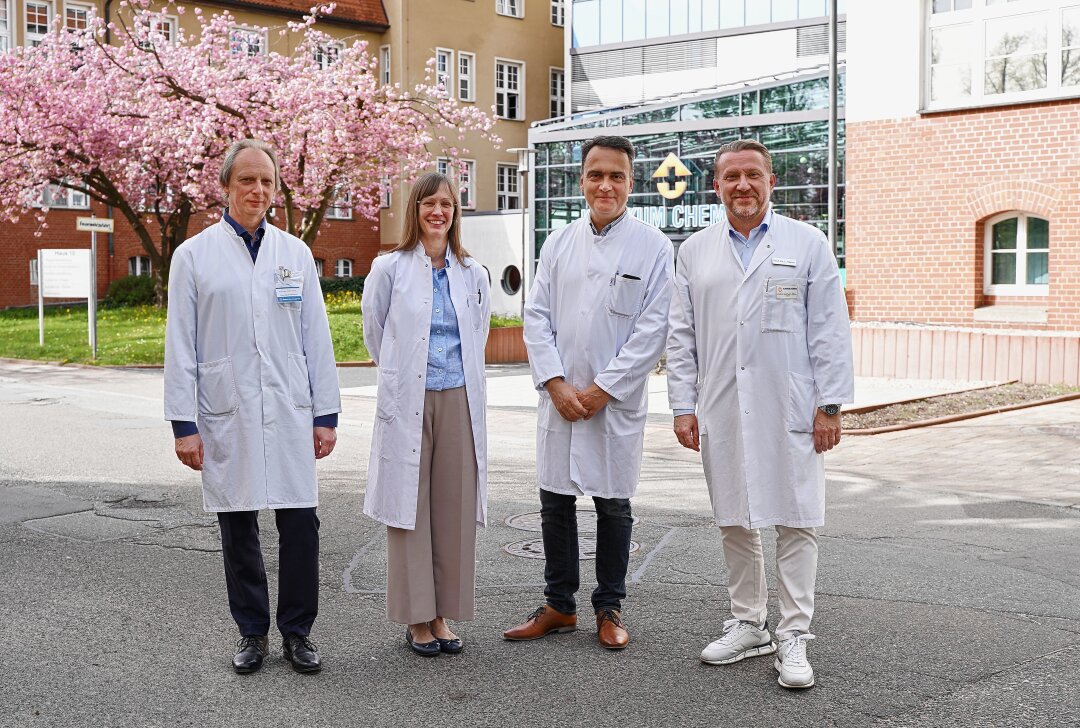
(744, 145)
(426, 186)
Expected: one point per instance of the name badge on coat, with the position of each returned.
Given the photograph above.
(784, 261)
(787, 291)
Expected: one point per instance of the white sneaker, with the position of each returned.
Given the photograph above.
(791, 663)
(740, 640)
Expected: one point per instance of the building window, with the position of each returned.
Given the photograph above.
(384, 65)
(467, 184)
(340, 208)
(77, 17)
(946, 6)
(139, 265)
(62, 197)
(1070, 46)
(507, 194)
(466, 76)
(509, 91)
(5, 28)
(328, 54)
(558, 93)
(1017, 255)
(247, 41)
(385, 193)
(444, 70)
(558, 12)
(513, 8)
(37, 23)
(158, 29)
(343, 268)
(1015, 53)
(319, 264)
(34, 272)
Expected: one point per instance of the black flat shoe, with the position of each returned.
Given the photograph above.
(427, 649)
(250, 651)
(301, 654)
(450, 647)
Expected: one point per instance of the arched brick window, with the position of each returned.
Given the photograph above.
(1017, 255)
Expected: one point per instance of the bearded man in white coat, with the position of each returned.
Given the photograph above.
(595, 326)
(252, 392)
(759, 362)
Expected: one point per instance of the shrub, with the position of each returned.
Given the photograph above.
(130, 291)
(339, 285)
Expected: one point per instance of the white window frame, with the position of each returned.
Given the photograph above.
(556, 102)
(6, 38)
(323, 55)
(520, 91)
(340, 208)
(467, 184)
(142, 266)
(252, 30)
(343, 268)
(976, 18)
(156, 22)
(510, 8)
(503, 196)
(33, 39)
(1010, 289)
(558, 13)
(384, 65)
(320, 264)
(33, 272)
(466, 79)
(76, 6)
(444, 70)
(386, 193)
(58, 197)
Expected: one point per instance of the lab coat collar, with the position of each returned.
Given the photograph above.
(764, 246)
(419, 252)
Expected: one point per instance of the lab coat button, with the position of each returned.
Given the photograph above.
(743, 368)
(746, 412)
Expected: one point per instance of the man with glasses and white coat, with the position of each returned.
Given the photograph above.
(759, 362)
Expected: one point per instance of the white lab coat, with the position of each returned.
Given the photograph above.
(756, 363)
(252, 371)
(586, 321)
(397, 306)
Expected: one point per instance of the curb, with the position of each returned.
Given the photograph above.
(874, 407)
(961, 416)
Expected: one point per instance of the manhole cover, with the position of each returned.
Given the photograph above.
(533, 548)
(1059, 430)
(531, 521)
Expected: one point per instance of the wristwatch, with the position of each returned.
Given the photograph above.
(830, 409)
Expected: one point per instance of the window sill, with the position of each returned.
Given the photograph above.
(1010, 314)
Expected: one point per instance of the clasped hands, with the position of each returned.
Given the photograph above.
(574, 405)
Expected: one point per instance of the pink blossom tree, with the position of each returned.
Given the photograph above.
(141, 124)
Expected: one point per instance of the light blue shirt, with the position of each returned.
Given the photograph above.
(444, 366)
(744, 247)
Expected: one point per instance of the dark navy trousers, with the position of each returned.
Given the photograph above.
(298, 571)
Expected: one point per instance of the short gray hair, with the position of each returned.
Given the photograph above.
(744, 145)
(236, 148)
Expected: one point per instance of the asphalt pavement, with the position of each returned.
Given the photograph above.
(948, 588)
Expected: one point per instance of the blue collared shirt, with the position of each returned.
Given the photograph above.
(607, 228)
(445, 369)
(251, 241)
(744, 247)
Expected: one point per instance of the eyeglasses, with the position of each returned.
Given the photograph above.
(430, 205)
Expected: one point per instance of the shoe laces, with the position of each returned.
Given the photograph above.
(734, 629)
(536, 614)
(301, 641)
(609, 615)
(795, 650)
(249, 641)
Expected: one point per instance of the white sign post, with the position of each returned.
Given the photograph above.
(94, 225)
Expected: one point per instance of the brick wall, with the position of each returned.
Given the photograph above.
(919, 190)
(355, 239)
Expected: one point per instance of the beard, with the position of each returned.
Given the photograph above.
(747, 208)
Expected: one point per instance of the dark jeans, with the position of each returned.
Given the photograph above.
(298, 571)
(558, 516)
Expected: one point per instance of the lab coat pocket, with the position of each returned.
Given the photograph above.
(289, 292)
(217, 388)
(388, 398)
(784, 306)
(626, 297)
(475, 311)
(802, 403)
(299, 384)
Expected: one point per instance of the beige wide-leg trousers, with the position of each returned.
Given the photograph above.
(431, 571)
(796, 569)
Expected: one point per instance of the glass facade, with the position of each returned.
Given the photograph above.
(597, 22)
(799, 152)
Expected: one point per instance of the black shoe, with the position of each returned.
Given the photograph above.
(301, 653)
(250, 651)
(450, 647)
(427, 649)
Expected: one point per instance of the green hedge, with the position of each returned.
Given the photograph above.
(336, 285)
(130, 291)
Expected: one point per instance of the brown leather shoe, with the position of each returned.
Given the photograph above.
(610, 630)
(543, 621)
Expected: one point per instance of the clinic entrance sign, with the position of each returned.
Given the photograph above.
(72, 274)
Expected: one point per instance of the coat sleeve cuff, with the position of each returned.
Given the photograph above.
(329, 420)
(182, 428)
(681, 412)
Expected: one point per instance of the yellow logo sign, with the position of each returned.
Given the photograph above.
(670, 166)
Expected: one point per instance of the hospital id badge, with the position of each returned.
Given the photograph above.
(287, 286)
(787, 291)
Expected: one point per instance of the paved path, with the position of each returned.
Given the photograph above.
(949, 588)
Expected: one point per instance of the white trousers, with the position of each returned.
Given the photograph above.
(796, 568)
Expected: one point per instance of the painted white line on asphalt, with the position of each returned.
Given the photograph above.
(636, 578)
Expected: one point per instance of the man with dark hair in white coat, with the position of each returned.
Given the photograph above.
(252, 392)
(759, 362)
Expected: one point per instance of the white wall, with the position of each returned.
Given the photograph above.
(883, 62)
(495, 241)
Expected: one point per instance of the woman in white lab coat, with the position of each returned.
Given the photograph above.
(426, 317)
